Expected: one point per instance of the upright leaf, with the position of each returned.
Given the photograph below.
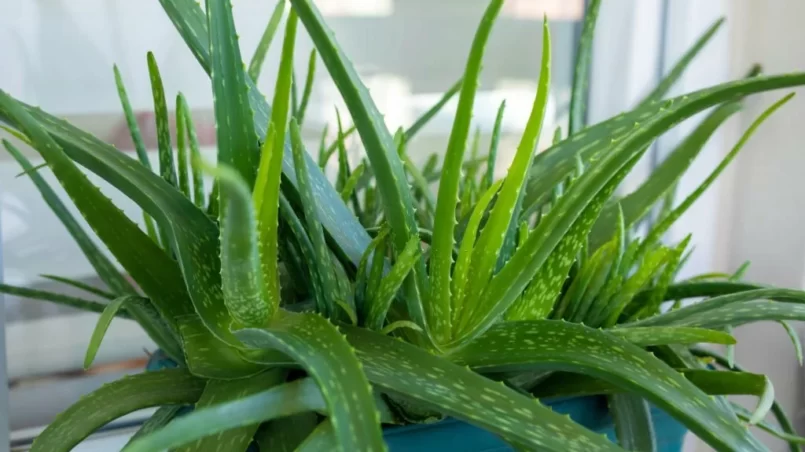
(195, 155)
(391, 283)
(265, 40)
(492, 157)
(181, 147)
(308, 90)
(102, 325)
(432, 111)
(441, 256)
(166, 166)
(633, 425)
(581, 71)
(131, 121)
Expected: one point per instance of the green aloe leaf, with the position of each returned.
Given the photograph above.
(166, 165)
(794, 336)
(322, 438)
(348, 191)
(131, 121)
(694, 313)
(587, 283)
(663, 281)
(420, 122)
(112, 400)
(236, 137)
(57, 298)
(286, 434)
(336, 370)
(181, 147)
(133, 249)
(633, 425)
(81, 285)
(159, 419)
(218, 392)
(441, 255)
(245, 293)
(748, 312)
(391, 283)
(109, 313)
(308, 90)
(492, 157)
(697, 289)
(664, 177)
(581, 71)
(659, 229)
(676, 72)
(195, 154)
(406, 370)
(284, 400)
(647, 336)
(492, 238)
(265, 40)
(555, 345)
(792, 439)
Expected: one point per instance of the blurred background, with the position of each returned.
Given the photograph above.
(58, 54)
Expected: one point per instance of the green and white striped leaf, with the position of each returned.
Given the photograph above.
(113, 400)
(557, 345)
(195, 154)
(335, 369)
(167, 169)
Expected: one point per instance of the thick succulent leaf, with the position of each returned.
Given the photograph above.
(432, 111)
(218, 392)
(558, 162)
(112, 400)
(166, 166)
(794, 336)
(246, 295)
(693, 313)
(492, 157)
(391, 283)
(181, 147)
(581, 72)
(557, 345)
(587, 282)
(648, 336)
(133, 249)
(195, 153)
(236, 137)
(676, 72)
(441, 254)
(659, 229)
(308, 90)
(209, 357)
(633, 426)
(261, 51)
(405, 370)
(81, 286)
(286, 434)
(287, 399)
(159, 419)
(747, 312)
(322, 438)
(698, 289)
(492, 238)
(335, 369)
(662, 179)
(109, 313)
(103, 266)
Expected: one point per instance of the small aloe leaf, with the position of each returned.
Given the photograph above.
(218, 392)
(348, 190)
(284, 400)
(166, 165)
(81, 285)
(556, 345)
(323, 156)
(336, 370)
(391, 283)
(260, 53)
(793, 440)
(492, 157)
(664, 280)
(286, 434)
(321, 438)
(388, 329)
(679, 68)
(236, 136)
(159, 419)
(131, 121)
(432, 111)
(376, 271)
(57, 298)
(195, 154)
(649, 336)
(308, 90)
(406, 370)
(658, 230)
(209, 357)
(698, 289)
(633, 426)
(748, 312)
(112, 400)
(311, 209)
(462, 267)
(300, 233)
(664, 177)
(794, 336)
(764, 403)
(486, 252)
(695, 313)
(181, 147)
(246, 295)
(581, 71)
(102, 325)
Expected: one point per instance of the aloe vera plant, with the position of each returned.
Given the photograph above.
(403, 302)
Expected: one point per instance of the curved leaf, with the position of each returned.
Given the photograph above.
(557, 345)
(81, 285)
(112, 400)
(109, 313)
(265, 40)
(648, 336)
(57, 298)
(581, 71)
(391, 283)
(420, 122)
(406, 370)
(336, 371)
(284, 400)
(311, 71)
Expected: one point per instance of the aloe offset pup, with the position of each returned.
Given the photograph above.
(305, 317)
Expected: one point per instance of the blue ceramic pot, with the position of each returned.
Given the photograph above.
(451, 434)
